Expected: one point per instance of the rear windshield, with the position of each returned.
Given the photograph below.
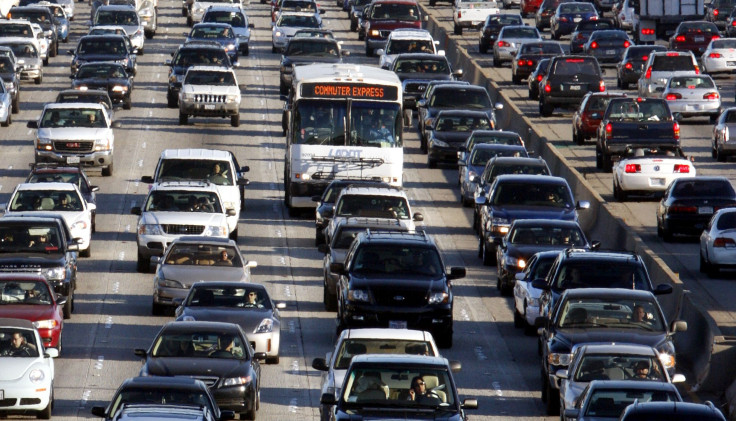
(576, 274)
(576, 8)
(666, 63)
(724, 43)
(102, 46)
(309, 48)
(598, 103)
(698, 27)
(575, 66)
(117, 17)
(451, 97)
(692, 82)
(727, 221)
(423, 65)
(480, 156)
(520, 33)
(541, 48)
(594, 25)
(642, 52)
(638, 111)
(697, 188)
(235, 19)
(517, 169)
(504, 20)
(298, 21)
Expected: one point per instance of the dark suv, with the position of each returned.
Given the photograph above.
(187, 55)
(568, 80)
(671, 411)
(92, 48)
(397, 280)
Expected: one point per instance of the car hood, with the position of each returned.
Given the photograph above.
(100, 57)
(29, 312)
(297, 60)
(248, 319)
(451, 137)
(185, 218)
(74, 133)
(30, 60)
(193, 273)
(534, 212)
(288, 31)
(394, 24)
(11, 262)
(631, 336)
(15, 368)
(210, 89)
(179, 366)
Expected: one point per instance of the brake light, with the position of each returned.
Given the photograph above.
(680, 38)
(539, 78)
(626, 44)
(644, 58)
(593, 44)
(523, 62)
(647, 31)
(672, 97)
(733, 23)
(563, 19)
(632, 168)
(723, 242)
(648, 74)
(574, 60)
(711, 96)
(714, 37)
(683, 209)
(459, 14)
(714, 55)
(503, 44)
(609, 129)
(547, 88)
(672, 54)
(715, 12)
(697, 70)
(628, 65)
(602, 86)
(593, 18)
(682, 168)
(676, 130)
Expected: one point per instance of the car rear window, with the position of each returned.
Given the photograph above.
(517, 169)
(598, 103)
(594, 25)
(520, 33)
(727, 221)
(541, 48)
(630, 110)
(575, 66)
(671, 63)
(608, 274)
(505, 20)
(698, 188)
(552, 195)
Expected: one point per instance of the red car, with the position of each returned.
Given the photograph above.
(694, 36)
(29, 297)
(588, 116)
(529, 7)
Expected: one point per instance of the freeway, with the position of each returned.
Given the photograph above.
(113, 302)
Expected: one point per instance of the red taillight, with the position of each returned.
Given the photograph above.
(503, 44)
(715, 12)
(632, 168)
(697, 70)
(602, 86)
(645, 58)
(680, 38)
(723, 242)
(733, 23)
(672, 54)
(539, 78)
(714, 37)
(609, 129)
(683, 209)
(547, 88)
(648, 74)
(628, 65)
(681, 168)
(647, 31)
(523, 62)
(459, 14)
(626, 44)
(593, 44)
(673, 97)
(563, 19)
(711, 96)
(714, 55)
(593, 18)
(676, 129)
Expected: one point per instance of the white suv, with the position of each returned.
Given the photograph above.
(661, 66)
(174, 209)
(210, 91)
(407, 40)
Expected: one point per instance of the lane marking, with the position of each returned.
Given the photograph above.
(293, 405)
(287, 291)
(479, 354)
(140, 163)
(108, 322)
(85, 397)
(115, 287)
(127, 228)
(278, 233)
(282, 260)
(497, 387)
(99, 363)
(121, 256)
(292, 326)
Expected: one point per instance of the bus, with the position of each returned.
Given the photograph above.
(341, 121)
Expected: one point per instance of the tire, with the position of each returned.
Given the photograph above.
(483, 49)
(235, 120)
(431, 163)
(361, 36)
(545, 109)
(234, 235)
(667, 235)
(38, 80)
(271, 360)
(157, 309)
(329, 300)
(515, 79)
(45, 414)
(368, 51)
(107, 171)
(149, 34)
(86, 252)
(496, 62)
(713, 270)
(246, 50)
(432, 3)
(545, 387)
(458, 30)
(319, 238)
(16, 105)
(171, 100)
(273, 50)
(283, 88)
(250, 415)
(353, 26)
(598, 159)
(489, 259)
(624, 85)
(423, 146)
(704, 267)
(607, 163)
(69, 306)
(713, 118)
(553, 403)
(190, 23)
(53, 50)
(184, 11)
(720, 156)
(127, 103)
(142, 264)
(519, 322)
(8, 121)
(183, 119)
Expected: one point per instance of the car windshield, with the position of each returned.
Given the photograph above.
(24, 292)
(389, 387)
(302, 4)
(202, 255)
(375, 206)
(453, 97)
(609, 35)
(480, 156)
(697, 188)
(598, 103)
(117, 17)
(202, 344)
(395, 259)
(161, 396)
(450, 123)
(22, 50)
(658, 152)
(201, 57)
(400, 46)
(540, 268)
(210, 78)
(33, 16)
(307, 33)
(345, 237)
(516, 169)
(235, 19)
(423, 65)
(692, 82)
(183, 201)
(114, 46)
(16, 30)
(73, 117)
(575, 66)
(211, 32)
(18, 342)
(547, 236)
(105, 31)
(641, 53)
(372, 124)
(614, 313)
(352, 347)
(216, 172)
(541, 48)
(634, 111)
(519, 32)
(46, 200)
(308, 48)
(609, 403)
(298, 21)
(553, 195)
(230, 297)
(100, 71)
(29, 238)
(619, 367)
(395, 11)
(576, 274)
(501, 139)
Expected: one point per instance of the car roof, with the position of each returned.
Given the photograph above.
(620, 256)
(517, 160)
(31, 217)
(632, 384)
(685, 410)
(160, 381)
(22, 277)
(73, 105)
(394, 1)
(195, 326)
(196, 239)
(200, 44)
(47, 186)
(215, 24)
(498, 147)
(230, 284)
(20, 323)
(618, 349)
(116, 7)
(379, 359)
(195, 153)
(359, 190)
(636, 294)
(384, 333)
(530, 178)
(544, 223)
(394, 237)
(499, 133)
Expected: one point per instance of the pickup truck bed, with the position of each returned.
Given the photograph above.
(472, 13)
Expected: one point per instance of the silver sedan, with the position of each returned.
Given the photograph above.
(510, 39)
(718, 242)
(720, 56)
(693, 96)
(722, 145)
(6, 106)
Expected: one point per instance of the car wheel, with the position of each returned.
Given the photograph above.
(235, 120)
(143, 264)
(496, 61)
(283, 88)
(86, 252)
(515, 79)
(458, 30)
(45, 414)
(16, 104)
(234, 235)
(69, 306)
(127, 103)
(107, 171)
(666, 234)
(703, 264)
(7, 121)
(184, 11)
(720, 156)
(506, 290)
(368, 51)
(483, 49)
(553, 403)
(713, 118)
(624, 85)
(272, 360)
(329, 300)
(545, 387)
(149, 34)
(157, 309)
(545, 109)
(189, 21)
(353, 26)
(489, 256)
(246, 50)
(183, 119)
(607, 162)
(518, 321)
(59, 344)
(39, 79)
(466, 203)
(171, 100)
(431, 163)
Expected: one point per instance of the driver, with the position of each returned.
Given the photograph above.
(19, 347)
(381, 128)
(418, 390)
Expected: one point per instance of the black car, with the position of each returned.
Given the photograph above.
(631, 66)
(718, 11)
(187, 55)
(45, 18)
(529, 54)
(11, 80)
(57, 263)
(568, 80)
(416, 70)
(536, 77)
(174, 391)
(513, 197)
(60, 173)
(492, 26)
(111, 77)
(580, 36)
(396, 280)
(689, 203)
(604, 316)
(355, 13)
(545, 12)
(671, 411)
(607, 45)
(536, 267)
(93, 48)
(217, 353)
(305, 50)
(449, 131)
(529, 236)
(95, 96)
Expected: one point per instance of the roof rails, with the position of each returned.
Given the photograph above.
(369, 233)
(35, 165)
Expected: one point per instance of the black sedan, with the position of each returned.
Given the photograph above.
(537, 75)
(492, 26)
(450, 130)
(582, 32)
(110, 77)
(608, 46)
(416, 70)
(689, 203)
(94, 48)
(631, 66)
(217, 353)
(529, 55)
(305, 50)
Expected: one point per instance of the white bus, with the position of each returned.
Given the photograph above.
(342, 121)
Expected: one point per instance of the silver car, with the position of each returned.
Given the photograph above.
(693, 96)
(722, 145)
(661, 66)
(510, 39)
(234, 15)
(287, 23)
(29, 62)
(126, 17)
(720, 56)
(6, 105)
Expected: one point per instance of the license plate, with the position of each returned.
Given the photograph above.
(209, 106)
(72, 160)
(656, 181)
(397, 324)
(611, 52)
(575, 87)
(577, 20)
(705, 209)
(694, 107)
(699, 39)
(731, 63)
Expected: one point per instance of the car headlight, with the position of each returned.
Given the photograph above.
(79, 225)
(216, 231)
(103, 144)
(149, 229)
(440, 143)
(438, 297)
(123, 61)
(358, 295)
(55, 274)
(188, 319)
(48, 33)
(278, 34)
(36, 376)
(119, 88)
(45, 324)
(236, 381)
(265, 326)
(668, 360)
(138, 33)
(374, 32)
(230, 47)
(169, 283)
(231, 99)
(472, 174)
(559, 359)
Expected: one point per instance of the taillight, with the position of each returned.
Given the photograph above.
(682, 168)
(593, 44)
(609, 129)
(697, 70)
(593, 18)
(645, 58)
(632, 168)
(648, 74)
(715, 12)
(714, 55)
(647, 31)
(523, 62)
(563, 19)
(602, 86)
(714, 37)
(539, 78)
(723, 242)
(547, 88)
(459, 14)
(626, 44)
(683, 209)
(680, 38)
(711, 96)
(628, 65)
(676, 130)
(733, 23)
(673, 96)
(503, 44)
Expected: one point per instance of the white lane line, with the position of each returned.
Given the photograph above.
(150, 113)
(287, 291)
(30, 131)
(85, 397)
(278, 233)
(158, 75)
(295, 369)
(108, 322)
(116, 287)
(121, 256)
(143, 145)
(282, 260)
(292, 326)
(479, 353)
(140, 163)
(293, 405)
(127, 228)
(497, 388)
(464, 315)
(153, 100)
(99, 363)
(269, 165)
(10, 167)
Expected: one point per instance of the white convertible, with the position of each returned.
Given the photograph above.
(648, 170)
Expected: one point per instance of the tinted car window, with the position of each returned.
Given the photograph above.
(594, 25)
(544, 236)
(308, 48)
(672, 63)
(204, 56)
(398, 259)
(352, 347)
(392, 11)
(703, 189)
(576, 274)
(528, 194)
(23, 50)
(15, 30)
(575, 66)
(468, 98)
(727, 221)
(233, 18)
(505, 20)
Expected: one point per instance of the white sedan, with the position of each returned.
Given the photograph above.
(720, 56)
(526, 296)
(26, 371)
(693, 96)
(718, 242)
(649, 170)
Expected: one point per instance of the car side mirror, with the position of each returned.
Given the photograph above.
(243, 182)
(328, 399)
(469, 404)
(498, 106)
(582, 204)
(561, 374)
(147, 179)
(320, 364)
(251, 25)
(94, 188)
(316, 199)
(155, 260)
(178, 301)
(226, 415)
(70, 52)
(260, 356)
(71, 77)
(418, 217)
(541, 283)
(98, 411)
(323, 248)
(135, 210)
(571, 413)
(426, 18)
(345, 53)
(498, 241)
(251, 264)
(461, 163)
(231, 212)
(519, 276)
(380, 52)
(679, 326)
(338, 268)
(140, 353)
(33, 124)
(167, 63)
(458, 73)
(116, 125)
(663, 289)
(456, 273)
(475, 179)
(455, 366)
(595, 245)
(422, 103)
(480, 200)
(72, 247)
(541, 321)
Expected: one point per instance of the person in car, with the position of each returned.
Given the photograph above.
(252, 300)
(19, 347)
(223, 259)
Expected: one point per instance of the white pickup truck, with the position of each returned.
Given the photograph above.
(472, 13)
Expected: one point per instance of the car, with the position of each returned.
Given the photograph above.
(719, 56)
(191, 259)
(568, 16)
(30, 65)
(661, 66)
(11, 78)
(510, 39)
(6, 105)
(607, 45)
(529, 8)
(383, 16)
(649, 170)
(108, 76)
(303, 50)
(527, 237)
(29, 296)
(475, 161)
(355, 12)
(449, 131)
(172, 390)
(380, 281)
(588, 116)
(335, 251)
(59, 19)
(62, 173)
(546, 9)
(499, 137)
(151, 412)
(384, 381)
(62, 198)
(631, 66)
(537, 76)
(674, 411)
(74, 96)
(196, 9)
(288, 23)
(492, 26)
(716, 242)
(238, 20)
(20, 28)
(582, 32)
(201, 350)
(472, 13)
(693, 96)
(417, 70)
(529, 55)
(187, 55)
(526, 297)
(80, 133)
(689, 203)
(406, 40)
(126, 17)
(600, 315)
(93, 48)
(623, 14)
(222, 33)
(245, 304)
(693, 36)
(354, 342)
(421, 104)
(730, 25)
(721, 145)
(27, 379)
(606, 399)
(568, 80)
(209, 91)
(42, 16)
(591, 362)
(278, 6)
(514, 197)
(718, 11)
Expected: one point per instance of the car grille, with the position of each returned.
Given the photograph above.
(20, 270)
(391, 297)
(182, 229)
(415, 87)
(384, 33)
(73, 146)
(8, 402)
(209, 98)
(210, 381)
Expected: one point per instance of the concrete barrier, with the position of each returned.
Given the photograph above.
(703, 353)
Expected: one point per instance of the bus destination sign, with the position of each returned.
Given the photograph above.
(350, 90)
